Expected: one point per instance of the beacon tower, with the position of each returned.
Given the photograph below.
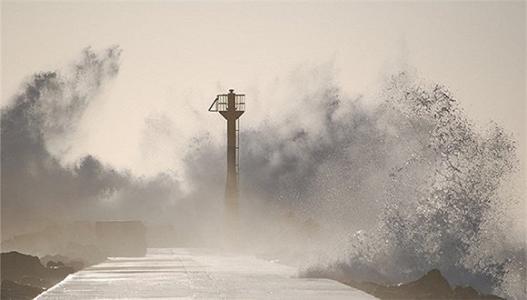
(231, 106)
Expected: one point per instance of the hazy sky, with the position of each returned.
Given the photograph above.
(177, 56)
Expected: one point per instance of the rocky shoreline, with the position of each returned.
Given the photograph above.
(26, 276)
(432, 286)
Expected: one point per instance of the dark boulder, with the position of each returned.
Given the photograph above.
(15, 266)
(431, 286)
(11, 290)
(24, 275)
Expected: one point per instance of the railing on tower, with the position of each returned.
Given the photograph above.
(221, 103)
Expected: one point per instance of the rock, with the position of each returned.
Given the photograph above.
(16, 266)
(431, 286)
(59, 260)
(12, 290)
(27, 270)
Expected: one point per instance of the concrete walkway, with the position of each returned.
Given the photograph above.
(195, 274)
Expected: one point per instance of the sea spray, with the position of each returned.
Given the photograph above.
(381, 193)
(443, 208)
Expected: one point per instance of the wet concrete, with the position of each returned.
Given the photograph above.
(182, 273)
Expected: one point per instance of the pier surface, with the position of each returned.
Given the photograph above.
(182, 273)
